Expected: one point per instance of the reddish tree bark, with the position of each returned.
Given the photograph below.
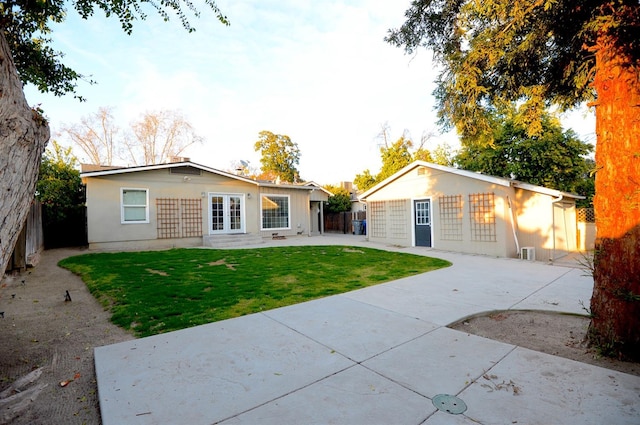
(615, 304)
(23, 136)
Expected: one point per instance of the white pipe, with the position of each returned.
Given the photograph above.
(553, 224)
(513, 226)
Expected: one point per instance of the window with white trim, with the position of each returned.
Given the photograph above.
(134, 205)
(276, 213)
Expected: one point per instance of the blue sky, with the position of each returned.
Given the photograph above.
(319, 72)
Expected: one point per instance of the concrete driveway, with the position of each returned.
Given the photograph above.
(378, 355)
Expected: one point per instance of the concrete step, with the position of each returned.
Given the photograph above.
(232, 241)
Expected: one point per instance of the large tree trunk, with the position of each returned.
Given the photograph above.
(615, 304)
(24, 134)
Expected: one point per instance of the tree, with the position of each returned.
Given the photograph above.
(62, 194)
(24, 133)
(340, 201)
(96, 136)
(365, 180)
(554, 159)
(279, 155)
(26, 57)
(539, 53)
(59, 186)
(158, 136)
(394, 156)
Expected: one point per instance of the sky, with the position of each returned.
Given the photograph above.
(318, 72)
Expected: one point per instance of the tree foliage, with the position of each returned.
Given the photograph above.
(59, 186)
(27, 26)
(394, 156)
(340, 201)
(279, 155)
(554, 159)
(495, 52)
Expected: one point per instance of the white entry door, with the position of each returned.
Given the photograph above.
(226, 213)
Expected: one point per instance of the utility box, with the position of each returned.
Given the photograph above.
(528, 253)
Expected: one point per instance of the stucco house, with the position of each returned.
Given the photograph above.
(426, 204)
(183, 204)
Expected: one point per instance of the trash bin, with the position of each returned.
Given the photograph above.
(364, 227)
(357, 227)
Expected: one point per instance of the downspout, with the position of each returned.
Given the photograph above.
(513, 227)
(553, 224)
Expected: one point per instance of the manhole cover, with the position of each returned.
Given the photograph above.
(449, 403)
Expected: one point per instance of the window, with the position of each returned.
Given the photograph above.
(135, 205)
(275, 212)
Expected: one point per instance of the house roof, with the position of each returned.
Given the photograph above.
(470, 174)
(315, 185)
(104, 171)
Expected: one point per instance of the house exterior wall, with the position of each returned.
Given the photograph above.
(299, 204)
(425, 183)
(549, 227)
(106, 231)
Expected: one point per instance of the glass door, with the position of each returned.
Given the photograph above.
(226, 212)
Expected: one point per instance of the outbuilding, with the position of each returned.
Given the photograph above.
(431, 205)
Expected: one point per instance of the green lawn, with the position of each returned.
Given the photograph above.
(160, 291)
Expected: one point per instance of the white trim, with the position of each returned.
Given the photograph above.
(122, 206)
(470, 174)
(127, 170)
(413, 219)
(279, 195)
(227, 230)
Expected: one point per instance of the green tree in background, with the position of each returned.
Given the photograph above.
(280, 156)
(537, 53)
(364, 180)
(554, 159)
(340, 201)
(61, 192)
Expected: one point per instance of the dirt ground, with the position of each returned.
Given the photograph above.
(47, 341)
(562, 335)
(42, 330)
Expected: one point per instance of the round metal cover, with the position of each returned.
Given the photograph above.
(449, 403)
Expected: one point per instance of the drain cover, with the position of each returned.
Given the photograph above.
(449, 403)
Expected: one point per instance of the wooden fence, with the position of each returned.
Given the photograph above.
(30, 241)
(343, 222)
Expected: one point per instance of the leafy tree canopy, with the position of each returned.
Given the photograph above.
(554, 159)
(394, 156)
(279, 155)
(27, 26)
(59, 186)
(340, 201)
(535, 52)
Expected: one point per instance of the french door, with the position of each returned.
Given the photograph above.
(226, 213)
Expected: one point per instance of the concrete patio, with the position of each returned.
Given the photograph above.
(378, 355)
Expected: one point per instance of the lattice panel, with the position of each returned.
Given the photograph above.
(398, 223)
(586, 215)
(191, 214)
(483, 217)
(451, 217)
(179, 218)
(377, 222)
(168, 211)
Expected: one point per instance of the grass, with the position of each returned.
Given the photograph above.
(161, 291)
